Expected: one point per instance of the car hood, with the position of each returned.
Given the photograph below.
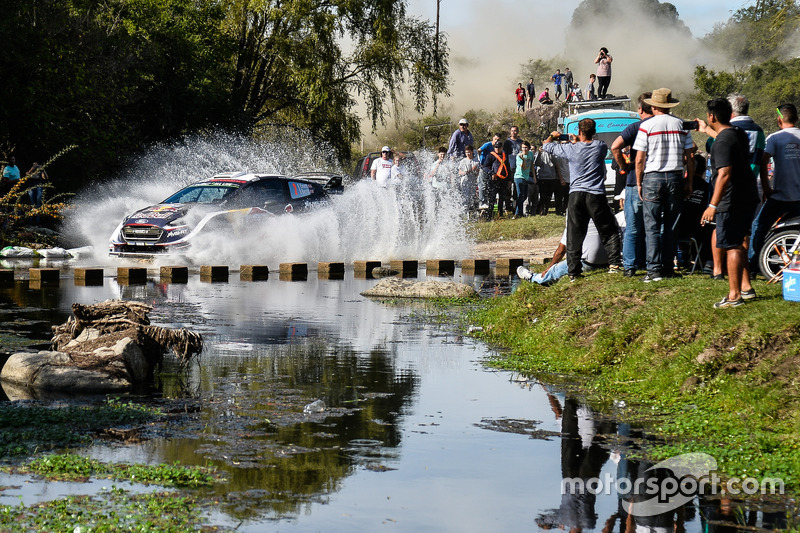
(158, 215)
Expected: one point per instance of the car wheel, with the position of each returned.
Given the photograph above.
(775, 252)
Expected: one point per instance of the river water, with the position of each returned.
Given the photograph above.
(329, 411)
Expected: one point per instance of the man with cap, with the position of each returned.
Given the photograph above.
(381, 169)
(664, 153)
(459, 140)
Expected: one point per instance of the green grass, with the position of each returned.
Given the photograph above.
(522, 228)
(114, 510)
(71, 467)
(622, 339)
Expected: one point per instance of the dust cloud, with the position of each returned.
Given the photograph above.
(489, 42)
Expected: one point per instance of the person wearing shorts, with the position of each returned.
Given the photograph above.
(735, 197)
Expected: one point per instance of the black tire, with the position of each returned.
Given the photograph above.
(775, 252)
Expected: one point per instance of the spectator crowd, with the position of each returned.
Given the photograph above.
(665, 193)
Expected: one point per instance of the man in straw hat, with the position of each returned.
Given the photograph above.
(664, 150)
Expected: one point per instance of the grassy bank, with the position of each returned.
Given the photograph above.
(717, 381)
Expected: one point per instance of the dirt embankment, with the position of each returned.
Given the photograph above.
(535, 250)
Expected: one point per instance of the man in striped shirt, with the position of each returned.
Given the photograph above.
(664, 149)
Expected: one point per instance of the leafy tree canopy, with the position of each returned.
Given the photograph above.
(115, 76)
(757, 33)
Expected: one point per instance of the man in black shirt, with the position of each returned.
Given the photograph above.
(735, 197)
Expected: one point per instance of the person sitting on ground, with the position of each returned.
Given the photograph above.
(593, 257)
(544, 98)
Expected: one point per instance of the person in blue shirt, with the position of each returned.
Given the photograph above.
(483, 178)
(10, 175)
(557, 78)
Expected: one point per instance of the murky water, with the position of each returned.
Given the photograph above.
(328, 411)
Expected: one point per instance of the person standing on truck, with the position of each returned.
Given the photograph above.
(603, 61)
(590, 88)
(633, 247)
(664, 149)
(587, 196)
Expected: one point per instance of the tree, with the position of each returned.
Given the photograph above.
(300, 62)
(109, 76)
(757, 33)
(116, 76)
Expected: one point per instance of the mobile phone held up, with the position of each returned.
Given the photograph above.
(563, 137)
(690, 125)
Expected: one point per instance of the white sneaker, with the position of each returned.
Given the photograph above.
(524, 273)
(483, 206)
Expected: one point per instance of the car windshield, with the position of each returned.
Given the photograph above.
(203, 193)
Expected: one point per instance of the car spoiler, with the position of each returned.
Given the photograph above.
(331, 183)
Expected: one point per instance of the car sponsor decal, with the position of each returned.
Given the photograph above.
(154, 214)
(300, 190)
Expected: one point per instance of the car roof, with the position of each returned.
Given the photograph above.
(242, 177)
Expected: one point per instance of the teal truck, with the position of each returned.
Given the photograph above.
(611, 116)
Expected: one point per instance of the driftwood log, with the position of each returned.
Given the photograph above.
(106, 347)
(116, 319)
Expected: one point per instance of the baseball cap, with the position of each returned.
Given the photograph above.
(386, 149)
(498, 144)
(463, 121)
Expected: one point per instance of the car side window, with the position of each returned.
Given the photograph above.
(298, 189)
(264, 193)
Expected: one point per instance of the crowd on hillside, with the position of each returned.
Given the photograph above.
(666, 196)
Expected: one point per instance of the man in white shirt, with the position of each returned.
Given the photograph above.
(381, 169)
(664, 148)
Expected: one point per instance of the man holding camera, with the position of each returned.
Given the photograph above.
(587, 196)
(664, 149)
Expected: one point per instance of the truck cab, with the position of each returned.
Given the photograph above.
(611, 116)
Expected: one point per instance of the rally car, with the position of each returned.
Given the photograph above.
(219, 203)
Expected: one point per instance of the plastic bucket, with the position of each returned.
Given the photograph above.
(791, 285)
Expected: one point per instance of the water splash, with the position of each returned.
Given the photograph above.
(409, 220)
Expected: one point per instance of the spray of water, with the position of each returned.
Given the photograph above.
(406, 221)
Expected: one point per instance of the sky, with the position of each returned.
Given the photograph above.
(490, 40)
